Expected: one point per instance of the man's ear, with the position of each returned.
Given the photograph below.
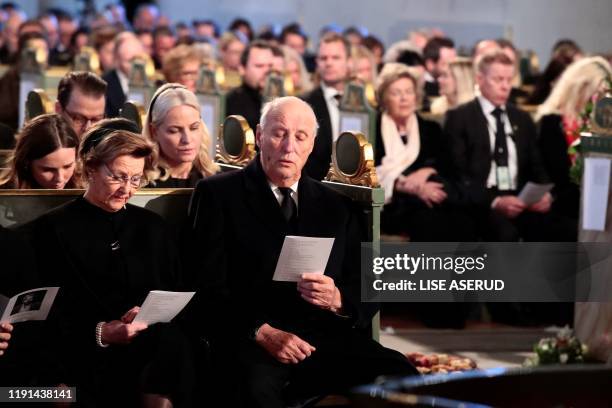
(258, 133)
(430, 65)
(58, 107)
(479, 78)
(241, 70)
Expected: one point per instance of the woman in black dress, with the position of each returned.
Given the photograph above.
(106, 255)
(175, 124)
(411, 163)
(560, 123)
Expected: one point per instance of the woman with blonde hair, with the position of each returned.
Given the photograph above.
(456, 86)
(559, 125)
(363, 64)
(182, 65)
(296, 69)
(175, 124)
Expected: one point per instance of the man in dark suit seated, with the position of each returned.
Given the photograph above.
(333, 69)
(495, 155)
(255, 64)
(283, 336)
(81, 98)
(127, 46)
(438, 52)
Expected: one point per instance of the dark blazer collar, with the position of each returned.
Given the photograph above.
(264, 204)
(480, 123)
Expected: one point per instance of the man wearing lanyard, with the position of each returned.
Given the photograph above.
(495, 154)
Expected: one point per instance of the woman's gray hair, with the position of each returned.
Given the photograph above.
(120, 143)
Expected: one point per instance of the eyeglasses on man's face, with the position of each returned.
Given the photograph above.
(81, 121)
(134, 181)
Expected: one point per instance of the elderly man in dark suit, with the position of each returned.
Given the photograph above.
(127, 46)
(495, 155)
(303, 337)
(333, 69)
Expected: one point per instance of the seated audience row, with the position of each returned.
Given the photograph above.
(311, 334)
(45, 154)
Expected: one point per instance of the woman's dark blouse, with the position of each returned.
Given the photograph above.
(172, 182)
(553, 147)
(105, 263)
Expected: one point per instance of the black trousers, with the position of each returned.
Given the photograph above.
(423, 224)
(342, 360)
(158, 361)
(529, 226)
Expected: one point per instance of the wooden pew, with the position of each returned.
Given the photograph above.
(20, 206)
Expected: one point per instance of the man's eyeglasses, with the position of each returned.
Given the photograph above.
(134, 181)
(81, 120)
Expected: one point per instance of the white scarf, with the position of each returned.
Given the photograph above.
(398, 156)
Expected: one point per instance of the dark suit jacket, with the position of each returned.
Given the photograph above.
(239, 231)
(9, 101)
(432, 89)
(466, 127)
(115, 98)
(553, 147)
(244, 101)
(319, 160)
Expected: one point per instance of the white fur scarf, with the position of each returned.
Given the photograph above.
(398, 156)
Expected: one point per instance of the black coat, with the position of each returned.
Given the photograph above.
(319, 161)
(29, 359)
(239, 230)
(73, 247)
(115, 98)
(244, 101)
(553, 147)
(466, 128)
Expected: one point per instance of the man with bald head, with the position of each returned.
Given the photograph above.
(127, 47)
(302, 338)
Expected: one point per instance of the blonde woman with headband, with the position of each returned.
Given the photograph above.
(175, 124)
(559, 125)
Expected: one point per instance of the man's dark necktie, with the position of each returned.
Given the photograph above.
(404, 138)
(288, 207)
(500, 154)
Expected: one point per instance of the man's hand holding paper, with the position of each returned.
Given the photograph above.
(320, 290)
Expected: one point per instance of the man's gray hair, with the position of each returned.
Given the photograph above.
(271, 107)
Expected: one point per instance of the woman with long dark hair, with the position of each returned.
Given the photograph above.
(45, 156)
